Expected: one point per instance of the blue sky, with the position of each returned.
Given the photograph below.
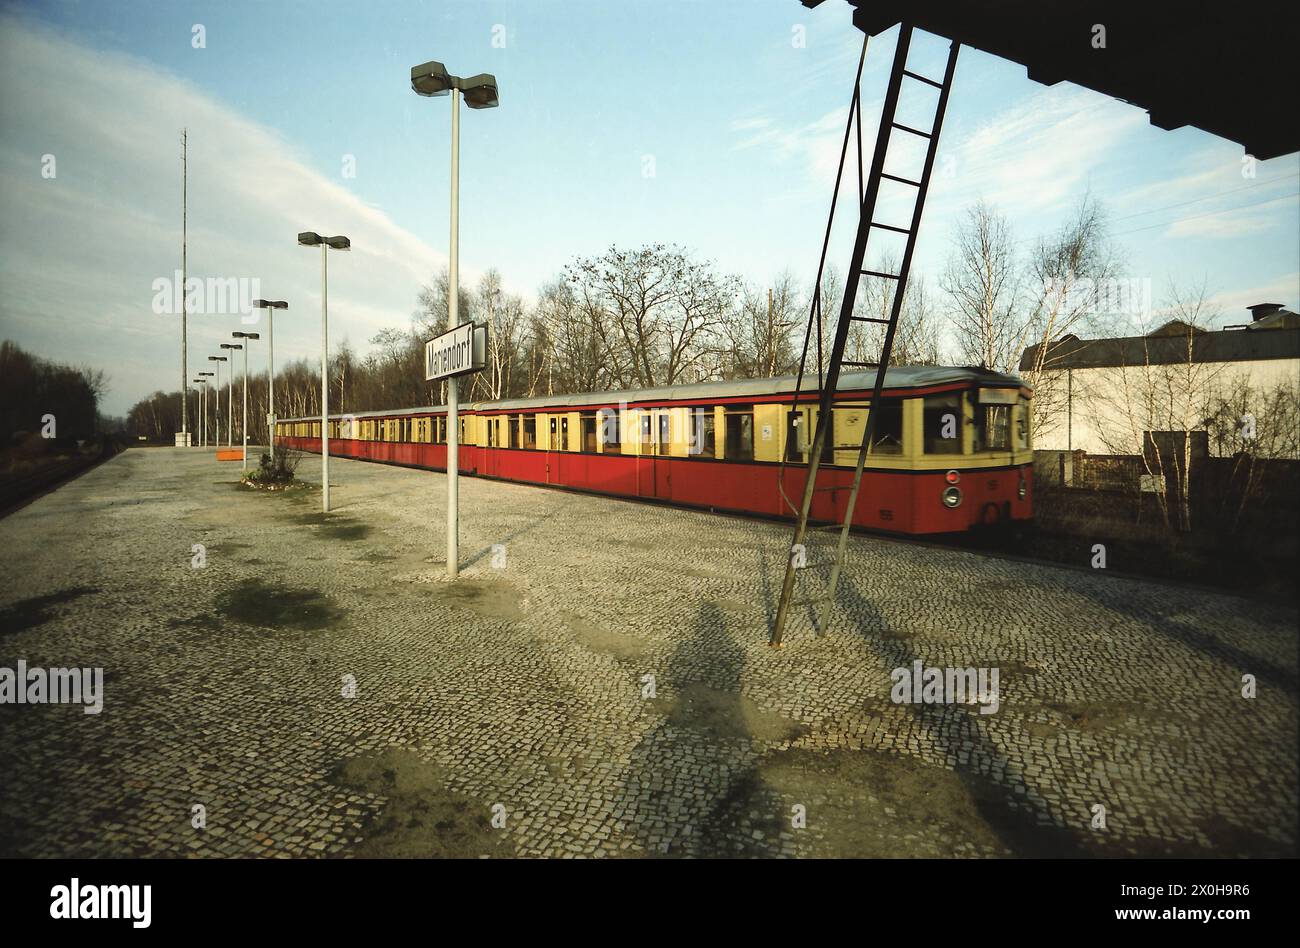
(741, 122)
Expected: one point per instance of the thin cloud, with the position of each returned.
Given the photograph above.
(79, 252)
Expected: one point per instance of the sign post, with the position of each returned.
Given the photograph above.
(457, 352)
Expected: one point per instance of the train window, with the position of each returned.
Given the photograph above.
(992, 427)
(564, 432)
(888, 436)
(611, 431)
(796, 436)
(462, 431)
(530, 431)
(491, 432)
(1022, 425)
(555, 435)
(664, 442)
(942, 420)
(588, 421)
(828, 445)
(647, 438)
(512, 432)
(703, 439)
(740, 433)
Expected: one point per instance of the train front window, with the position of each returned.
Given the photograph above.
(941, 421)
(1022, 425)
(993, 428)
(740, 434)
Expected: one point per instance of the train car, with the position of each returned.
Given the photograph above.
(952, 446)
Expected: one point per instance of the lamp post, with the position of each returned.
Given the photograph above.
(271, 306)
(218, 360)
(312, 239)
(479, 92)
(203, 407)
(230, 400)
(202, 400)
(243, 426)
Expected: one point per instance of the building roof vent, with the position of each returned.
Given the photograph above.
(1260, 310)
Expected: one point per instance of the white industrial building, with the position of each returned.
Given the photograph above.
(1102, 396)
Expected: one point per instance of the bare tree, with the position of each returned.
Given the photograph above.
(982, 282)
(1067, 273)
(1161, 399)
(658, 311)
(759, 333)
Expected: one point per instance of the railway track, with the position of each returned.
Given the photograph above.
(17, 492)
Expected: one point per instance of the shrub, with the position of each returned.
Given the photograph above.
(275, 473)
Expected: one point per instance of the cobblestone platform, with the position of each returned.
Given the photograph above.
(600, 685)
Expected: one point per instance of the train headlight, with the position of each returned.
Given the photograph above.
(952, 497)
(1022, 490)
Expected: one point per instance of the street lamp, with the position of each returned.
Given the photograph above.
(203, 409)
(272, 306)
(479, 92)
(243, 427)
(311, 239)
(218, 360)
(230, 400)
(202, 382)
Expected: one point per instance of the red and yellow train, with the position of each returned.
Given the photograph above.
(952, 445)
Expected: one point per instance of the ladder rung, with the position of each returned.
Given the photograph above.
(897, 230)
(862, 365)
(877, 273)
(926, 79)
(894, 177)
(914, 131)
(869, 319)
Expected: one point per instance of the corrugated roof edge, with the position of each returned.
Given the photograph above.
(901, 377)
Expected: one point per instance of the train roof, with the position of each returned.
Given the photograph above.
(897, 378)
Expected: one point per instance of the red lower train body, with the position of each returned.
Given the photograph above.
(895, 501)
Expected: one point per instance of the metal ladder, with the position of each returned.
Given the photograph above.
(828, 383)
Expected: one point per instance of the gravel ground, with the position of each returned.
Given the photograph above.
(599, 684)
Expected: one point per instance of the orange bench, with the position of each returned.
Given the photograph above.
(233, 454)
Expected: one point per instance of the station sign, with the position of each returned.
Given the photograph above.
(458, 351)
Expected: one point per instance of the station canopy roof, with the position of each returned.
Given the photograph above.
(1216, 66)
